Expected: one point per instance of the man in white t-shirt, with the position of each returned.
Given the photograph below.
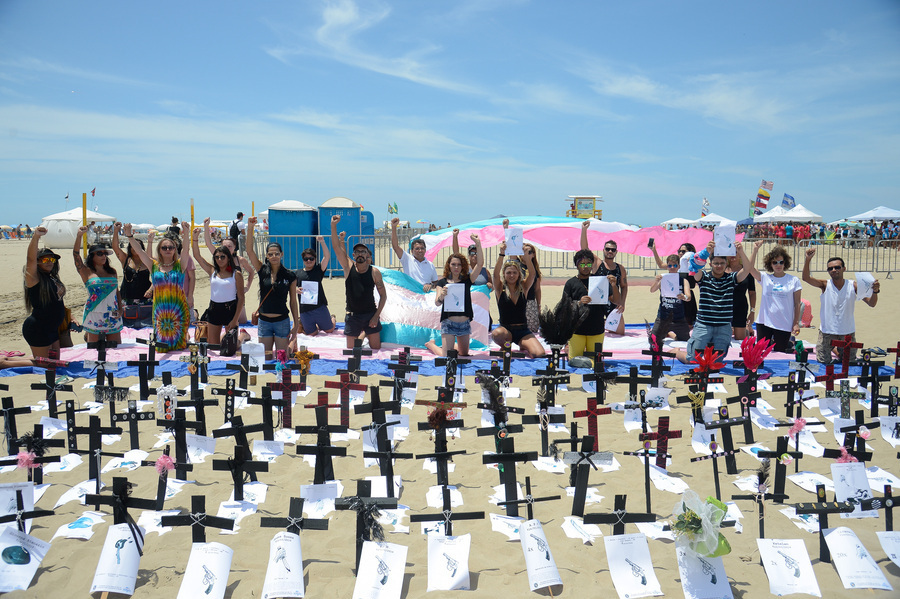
(414, 265)
(838, 302)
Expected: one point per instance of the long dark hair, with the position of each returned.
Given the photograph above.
(45, 286)
(223, 250)
(90, 259)
(130, 255)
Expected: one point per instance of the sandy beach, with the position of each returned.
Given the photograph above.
(496, 564)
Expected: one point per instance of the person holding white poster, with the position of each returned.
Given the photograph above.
(606, 266)
(837, 305)
(591, 330)
(724, 236)
(511, 290)
(779, 304)
(673, 293)
(453, 293)
(314, 315)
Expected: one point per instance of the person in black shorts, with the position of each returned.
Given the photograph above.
(43, 296)
(511, 290)
(314, 315)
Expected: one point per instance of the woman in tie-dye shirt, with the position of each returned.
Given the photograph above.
(171, 313)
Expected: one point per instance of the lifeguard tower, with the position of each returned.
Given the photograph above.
(585, 207)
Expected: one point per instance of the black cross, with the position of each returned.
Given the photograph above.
(697, 399)
(893, 399)
(9, 423)
(95, 451)
(507, 456)
(619, 517)
(367, 509)
(574, 442)
(294, 522)
(20, 515)
(164, 478)
(657, 365)
(791, 423)
(446, 515)
(132, 417)
(870, 377)
(397, 384)
(633, 381)
(760, 499)
(822, 508)
(529, 500)
(323, 449)
(714, 456)
(544, 419)
(304, 357)
(239, 431)
(502, 427)
(101, 365)
(71, 433)
(36, 443)
(121, 500)
(346, 384)
(441, 454)
(168, 400)
(506, 354)
(144, 366)
(597, 356)
(231, 394)
(781, 449)
(199, 404)
(267, 403)
(661, 436)
(384, 451)
(244, 369)
(406, 357)
(643, 405)
(851, 433)
(703, 379)
(194, 360)
(796, 383)
(845, 395)
(580, 463)
(198, 520)
(180, 425)
(376, 404)
(354, 362)
(748, 395)
(549, 380)
(725, 423)
(601, 382)
(239, 465)
(286, 387)
(203, 347)
(887, 503)
(450, 363)
(50, 387)
(151, 344)
(110, 394)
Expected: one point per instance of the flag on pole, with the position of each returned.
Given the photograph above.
(788, 201)
(766, 185)
(704, 208)
(396, 210)
(67, 196)
(93, 192)
(390, 208)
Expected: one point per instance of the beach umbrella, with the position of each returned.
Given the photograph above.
(6, 227)
(879, 213)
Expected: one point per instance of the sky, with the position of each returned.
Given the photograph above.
(455, 111)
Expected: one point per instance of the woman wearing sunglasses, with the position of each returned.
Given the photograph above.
(44, 297)
(314, 315)
(779, 304)
(226, 290)
(102, 309)
(171, 312)
(238, 263)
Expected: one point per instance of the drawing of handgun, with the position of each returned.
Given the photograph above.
(637, 571)
(281, 556)
(791, 563)
(452, 564)
(542, 546)
(708, 569)
(208, 579)
(383, 570)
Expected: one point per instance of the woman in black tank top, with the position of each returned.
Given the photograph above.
(512, 295)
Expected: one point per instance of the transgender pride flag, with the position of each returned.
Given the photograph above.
(411, 318)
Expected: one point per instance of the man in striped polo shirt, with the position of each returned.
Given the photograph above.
(716, 304)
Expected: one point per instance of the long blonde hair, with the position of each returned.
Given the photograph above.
(520, 284)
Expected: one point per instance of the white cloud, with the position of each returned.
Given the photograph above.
(36, 65)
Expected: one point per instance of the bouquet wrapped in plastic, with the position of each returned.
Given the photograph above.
(697, 525)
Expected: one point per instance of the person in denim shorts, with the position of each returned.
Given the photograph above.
(456, 307)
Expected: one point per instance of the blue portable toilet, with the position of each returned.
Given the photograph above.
(358, 225)
(294, 225)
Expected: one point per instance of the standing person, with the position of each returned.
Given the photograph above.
(136, 286)
(277, 291)
(837, 306)
(315, 317)
(713, 325)
(238, 263)
(416, 266)
(226, 290)
(44, 294)
(511, 290)
(592, 330)
(456, 322)
(607, 265)
(744, 312)
(173, 232)
(363, 320)
(670, 318)
(102, 309)
(779, 304)
(237, 232)
(171, 312)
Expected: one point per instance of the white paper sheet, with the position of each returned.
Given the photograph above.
(381, 570)
(702, 577)
(539, 562)
(670, 285)
(448, 563)
(853, 562)
(630, 566)
(852, 484)
(117, 568)
(788, 567)
(864, 282)
(598, 290)
(284, 573)
(309, 293)
(207, 572)
(19, 547)
(724, 235)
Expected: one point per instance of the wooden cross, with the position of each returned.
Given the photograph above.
(643, 405)
(198, 520)
(845, 395)
(657, 366)
(231, 394)
(238, 466)
(529, 500)
(239, 431)
(294, 522)
(166, 401)
(100, 364)
(441, 454)
(323, 449)
(714, 456)
(508, 457)
(38, 445)
(286, 387)
(886, 503)
(346, 384)
(180, 425)
(781, 450)
(10, 411)
(384, 450)
(760, 499)
(354, 362)
(661, 436)
(580, 463)
(267, 403)
(829, 377)
(852, 432)
(21, 515)
(367, 510)
(132, 417)
(50, 387)
(848, 346)
(506, 354)
(95, 451)
(796, 383)
(151, 344)
(121, 500)
(633, 381)
(591, 413)
(544, 419)
(822, 508)
(725, 423)
(446, 515)
(144, 366)
(619, 517)
(164, 478)
(450, 363)
(244, 369)
(71, 431)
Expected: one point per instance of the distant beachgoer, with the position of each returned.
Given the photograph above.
(607, 265)
(415, 265)
(277, 292)
(315, 317)
(237, 231)
(174, 231)
(456, 322)
(171, 312)
(103, 307)
(511, 290)
(44, 294)
(238, 263)
(779, 305)
(363, 320)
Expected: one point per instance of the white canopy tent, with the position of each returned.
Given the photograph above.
(63, 226)
(678, 221)
(800, 214)
(714, 219)
(774, 215)
(880, 213)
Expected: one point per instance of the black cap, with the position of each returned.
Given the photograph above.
(47, 252)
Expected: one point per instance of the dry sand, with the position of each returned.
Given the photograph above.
(497, 565)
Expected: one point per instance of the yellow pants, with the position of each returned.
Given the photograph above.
(578, 344)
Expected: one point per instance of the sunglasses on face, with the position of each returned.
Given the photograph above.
(47, 259)
(681, 251)
(586, 264)
(613, 250)
(777, 262)
(309, 259)
(831, 268)
(221, 257)
(672, 265)
(167, 248)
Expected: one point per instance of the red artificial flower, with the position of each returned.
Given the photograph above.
(754, 351)
(708, 360)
